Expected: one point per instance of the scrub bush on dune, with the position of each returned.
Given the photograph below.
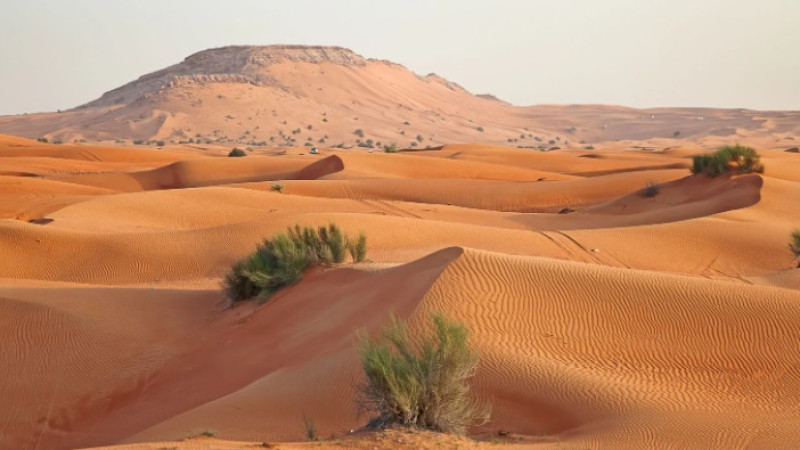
(795, 245)
(732, 158)
(280, 261)
(420, 381)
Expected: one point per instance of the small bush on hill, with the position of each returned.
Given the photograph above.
(390, 148)
(651, 189)
(280, 261)
(359, 133)
(277, 187)
(795, 245)
(732, 158)
(420, 381)
(237, 153)
(43, 140)
(480, 129)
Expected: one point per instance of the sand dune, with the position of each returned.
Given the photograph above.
(605, 319)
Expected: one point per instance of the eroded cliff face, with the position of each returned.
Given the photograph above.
(248, 65)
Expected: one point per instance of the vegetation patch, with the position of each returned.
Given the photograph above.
(651, 190)
(729, 159)
(280, 261)
(237, 153)
(795, 245)
(420, 381)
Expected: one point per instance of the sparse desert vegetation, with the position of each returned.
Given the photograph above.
(421, 380)
(279, 262)
(237, 153)
(651, 189)
(795, 244)
(729, 159)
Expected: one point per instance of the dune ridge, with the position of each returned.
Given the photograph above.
(604, 318)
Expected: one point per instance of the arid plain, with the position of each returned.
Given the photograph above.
(604, 318)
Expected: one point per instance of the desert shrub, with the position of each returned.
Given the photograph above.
(651, 190)
(795, 245)
(160, 143)
(237, 153)
(43, 140)
(676, 134)
(359, 133)
(589, 147)
(357, 248)
(277, 187)
(392, 148)
(310, 428)
(420, 138)
(280, 261)
(731, 158)
(420, 381)
(480, 129)
(202, 434)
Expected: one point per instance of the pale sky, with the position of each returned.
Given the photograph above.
(57, 54)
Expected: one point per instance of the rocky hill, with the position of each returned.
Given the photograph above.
(328, 96)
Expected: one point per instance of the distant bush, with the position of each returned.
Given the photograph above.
(237, 153)
(589, 147)
(359, 133)
(43, 140)
(480, 129)
(280, 261)
(732, 158)
(420, 138)
(160, 143)
(138, 142)
(390, 148)
(277, 187)
(676, 134)
(420, 381)
(795, 245)
(651, 190)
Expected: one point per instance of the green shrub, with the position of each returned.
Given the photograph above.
(651, 189)
(310, 428)
(277, 187)
(731, 158)
(237, 153)
(359, 133)
(280, 261)
(357, 248)
(480, 129)
(420, 381)
(390, 148)
(795, 245)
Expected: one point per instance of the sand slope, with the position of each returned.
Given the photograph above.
(625, 322)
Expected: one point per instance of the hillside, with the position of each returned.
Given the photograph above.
(327, 96)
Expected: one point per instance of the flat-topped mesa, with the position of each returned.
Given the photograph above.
(235, 64)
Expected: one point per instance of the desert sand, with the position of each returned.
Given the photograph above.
(624, 322)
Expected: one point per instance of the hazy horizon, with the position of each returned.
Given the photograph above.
(652, 53)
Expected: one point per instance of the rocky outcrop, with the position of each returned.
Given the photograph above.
(243, 64)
